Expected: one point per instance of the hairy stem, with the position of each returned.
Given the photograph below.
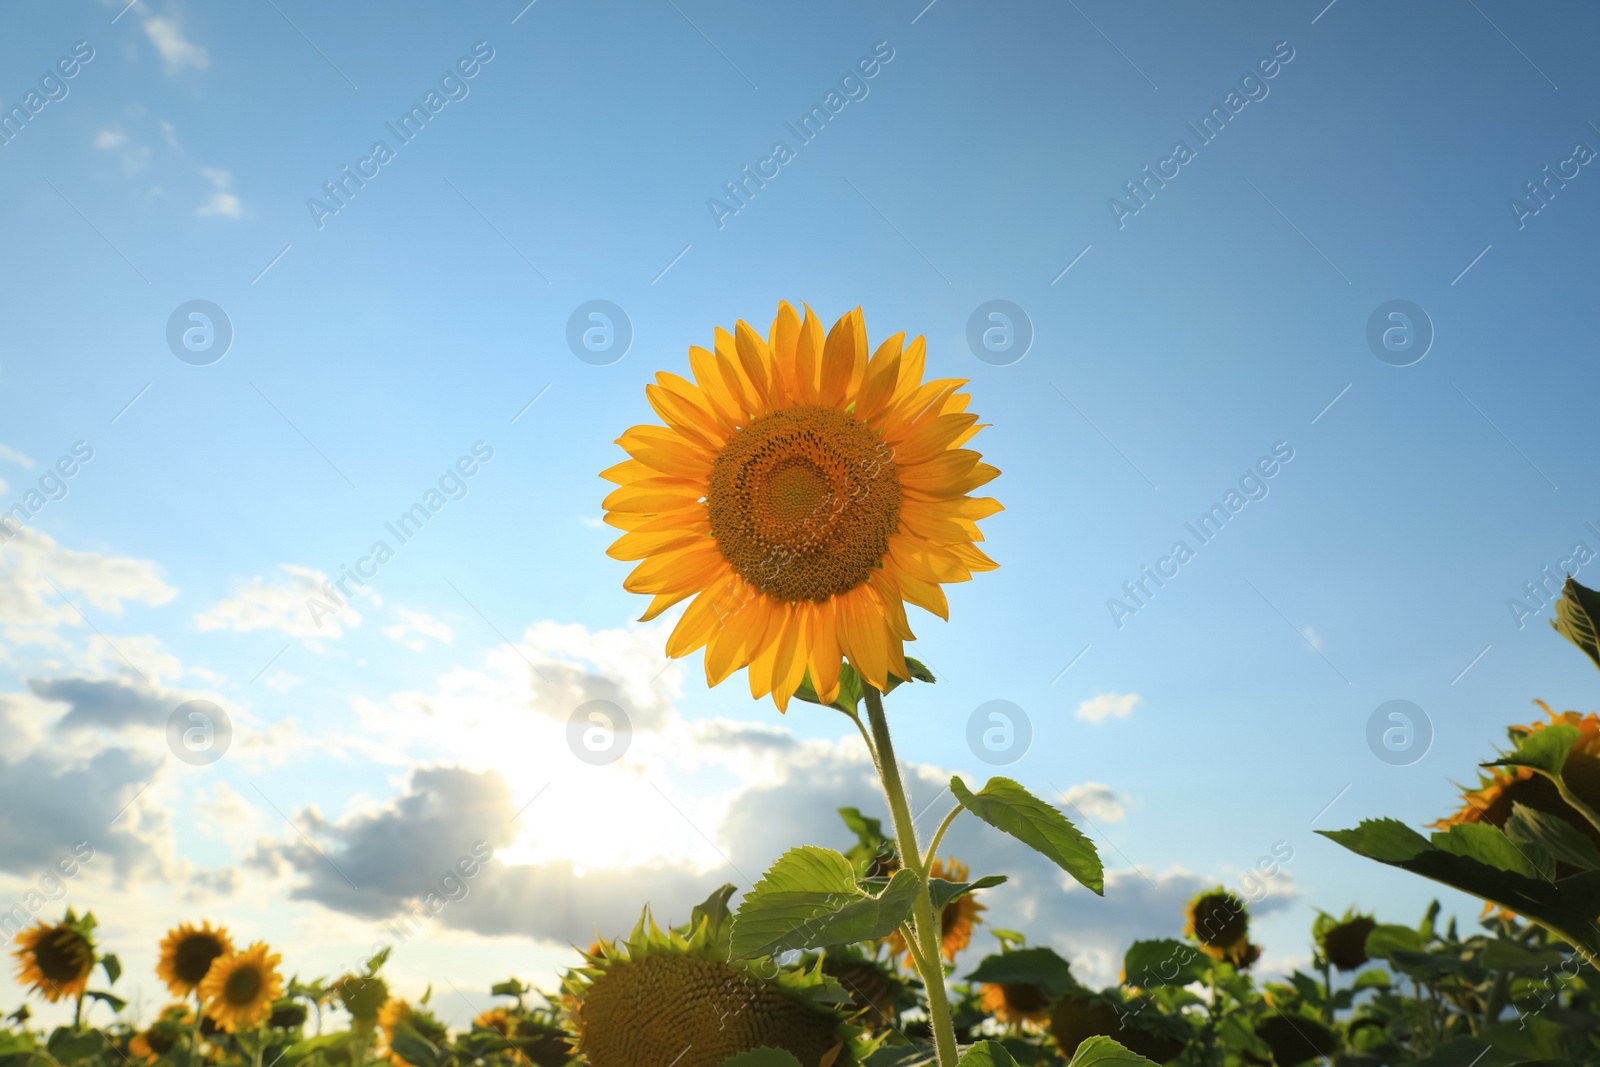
(929, 960)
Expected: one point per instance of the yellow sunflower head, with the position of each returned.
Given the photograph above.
(1019, 1004)
(162, 1036)
(802, 491)
(56, 958)
(1491, 802)
(363, 996)
(1218, 921)
(667, 998)
(956, 921)
(186, 955)
(239, 988)
(497, 1019)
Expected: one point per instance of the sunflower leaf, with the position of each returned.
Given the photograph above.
(1104, 1052)
(762, 1057)
(1555, 835)
(1578, 618)
(1545, 752)
(414, 1048)
(115, 1002)
(1489, 844)
(811, 898)
(987, 1054)
(113, 967)
(1163, 962)
(1038, 966)
(942, 891)
(1007, 806)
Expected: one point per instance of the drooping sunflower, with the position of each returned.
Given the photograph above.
(162, 1036)
(1142, 1030)
(1218, 921)
(1021, 1004)
(802, 493)
(397, 1012)
(239, 988)
(666, 999)
(877, 993)
(956, 921)
(187, 953)
(1344, 942)
(363, 996)
(497, 1019)
(1502, 787)
(1295, 1038)
(55, 958)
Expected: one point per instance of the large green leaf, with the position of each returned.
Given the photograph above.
(1104, 1052)
(762, 1057)
(1152, 964)
(1007, 806)
(1565, 906)
(850, 686)
(811, 898)
(1578, 618)
(414, 1048)
(113, 967)
(942, 891)
(986, 1054)
(1563, 841)
(1038, 966)
(1488, 844)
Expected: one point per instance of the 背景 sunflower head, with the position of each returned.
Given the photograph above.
(802, 491)
(1344, 941)
(1219, 922)
(56, 958)
(670, 999)
(1134, 1023)
(956, 921)
(1497, 791)
(239, 989)
(162, 1036)
(363, 996)
(187, 953)
(878, 994)
(1020, 1004)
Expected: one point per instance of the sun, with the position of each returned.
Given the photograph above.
(802, 491)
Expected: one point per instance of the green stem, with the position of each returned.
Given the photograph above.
(1327, 991)
(938, 836)
(77, 1012)
(194, 1032)
(929, 960)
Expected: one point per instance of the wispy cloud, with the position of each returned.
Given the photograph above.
(221, 202)
(1105, 706)
(177, 51)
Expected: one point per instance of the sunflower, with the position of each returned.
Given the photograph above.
(803, 494)
(1296, 1038)
(661, 998)
(186, 955)
(876, 992)
(239, 988)
(1015, 1003)
(956, 921)
(397, 1013)
(1497, 791)
(1077, 1017)
(1218, 921)
(55, 959)
(1344, 944)
(362, 996)
(162, 1036)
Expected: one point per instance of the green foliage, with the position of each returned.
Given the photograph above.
(1104, 1052)
(1578, 618)
(1005, 805)
(987, 1054)
(811, 898)
(851, 687)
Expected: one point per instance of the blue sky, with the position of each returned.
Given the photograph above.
(1173, 347)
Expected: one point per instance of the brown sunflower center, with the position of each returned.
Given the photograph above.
(803, 502)
(62, 955)
(1025, 998)
(242, 986)
(192, 958)
(1219, 920)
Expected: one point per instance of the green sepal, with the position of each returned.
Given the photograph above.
(851, 686)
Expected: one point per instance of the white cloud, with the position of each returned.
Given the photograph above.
(176, 51)
(16, 457)
(32, 570)
(222, 202)
(1313, 639)
(285, 606)
(416, 627)
(133, 156)
(281, 681)
(109, 139)
(1096, 800)
(1098, 709)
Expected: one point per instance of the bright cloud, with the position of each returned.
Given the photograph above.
(416, 627)
(221, 201)
(176, 51)
(1096, 800)
(1105, 706)
(282, 606)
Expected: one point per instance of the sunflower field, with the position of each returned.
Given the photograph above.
(801, 491)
